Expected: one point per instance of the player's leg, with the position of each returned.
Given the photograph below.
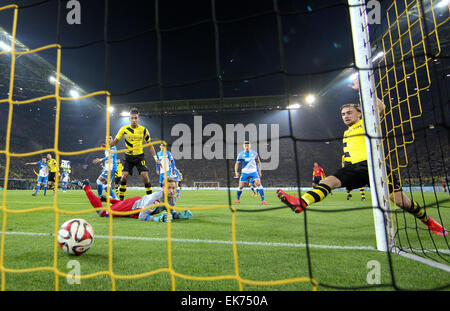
(108, 185)
(412, 207)
(239, 192)
(123, 184)
(51, 181)
(44, 183)
(260, 190)
(101, 180)
(341, 178)
(146, 181)
(349, 193)
(180, 187)
(252, 185)
(116, 183)
(95, 201)
(128, 164)
(124, 206)
(143, 171)
(161, 179)
(38, 186)
(363, 193)
(240, 188)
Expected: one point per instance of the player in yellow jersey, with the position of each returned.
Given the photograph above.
(52, 178)
(362, 191)
(118, 175)
(355, 173)
(134, 135)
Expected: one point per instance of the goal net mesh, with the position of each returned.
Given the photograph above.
(412, 80)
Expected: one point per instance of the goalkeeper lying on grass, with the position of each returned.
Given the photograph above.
(137, 204)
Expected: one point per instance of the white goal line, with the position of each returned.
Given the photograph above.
(270, 244)
(266, 244)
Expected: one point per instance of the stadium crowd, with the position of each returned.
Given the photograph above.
(423, 167)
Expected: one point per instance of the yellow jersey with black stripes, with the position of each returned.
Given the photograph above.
(52, 165)
(119, 170)
(134, 138)
(355, 144)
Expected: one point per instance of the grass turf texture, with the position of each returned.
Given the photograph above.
(270, 246)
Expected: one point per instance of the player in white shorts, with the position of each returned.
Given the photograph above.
(251, 170)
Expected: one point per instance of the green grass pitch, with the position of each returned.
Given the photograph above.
(271, 246)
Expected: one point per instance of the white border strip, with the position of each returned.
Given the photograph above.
(425, 261)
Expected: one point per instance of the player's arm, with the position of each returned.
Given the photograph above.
(153, 152)
(258, 162)
(236, 165)
(97, 160)
(147, 139)
(380, 105)
(117, 138)
(236, 168)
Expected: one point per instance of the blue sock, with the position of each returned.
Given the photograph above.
(37, 189)
(45, 190)
(99, 188)
(113, 195)
(261, 193)
(239, 192)
(178, 191)
(253, 189)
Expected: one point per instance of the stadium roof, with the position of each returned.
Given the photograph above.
(34, 76)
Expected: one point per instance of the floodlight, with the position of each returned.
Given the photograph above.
(442, 4)
(52, 80)
(294, 106)
(4, 46)
(74, 93)
(310, 99)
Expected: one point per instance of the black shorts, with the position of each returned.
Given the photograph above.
(317, 179)
(117, 180)
(131, 161)
(355, 176)
(51, 176)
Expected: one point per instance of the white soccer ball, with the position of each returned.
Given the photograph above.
(75, 236)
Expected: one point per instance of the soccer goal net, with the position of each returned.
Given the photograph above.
(267, 100)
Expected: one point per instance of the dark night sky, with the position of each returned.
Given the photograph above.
(312, 41)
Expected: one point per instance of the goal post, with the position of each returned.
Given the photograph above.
(375, 152)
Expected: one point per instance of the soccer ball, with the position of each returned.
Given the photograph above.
(75, 236)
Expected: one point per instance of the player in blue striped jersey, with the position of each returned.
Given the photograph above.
(108, 166)
(167, 164)
(42, 176)
(251, 169)
(65, 178)
(178, 177)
